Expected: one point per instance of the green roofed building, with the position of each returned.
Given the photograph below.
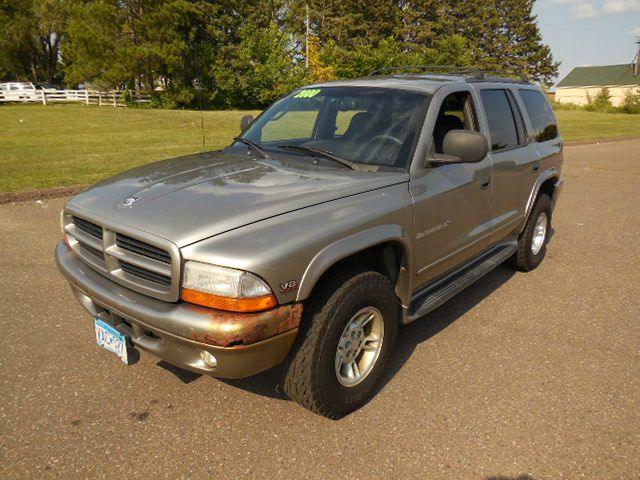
(587, 81)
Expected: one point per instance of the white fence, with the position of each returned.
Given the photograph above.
(88, 97)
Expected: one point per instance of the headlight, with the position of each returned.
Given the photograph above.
(225, 288)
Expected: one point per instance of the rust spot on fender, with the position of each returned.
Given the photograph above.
(231, 329)
(293, 321)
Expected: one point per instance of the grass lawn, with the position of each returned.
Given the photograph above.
(64, 145)
(579, 125)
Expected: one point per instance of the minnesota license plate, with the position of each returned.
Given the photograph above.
(112, 340)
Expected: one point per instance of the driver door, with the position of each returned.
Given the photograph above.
(452, 211)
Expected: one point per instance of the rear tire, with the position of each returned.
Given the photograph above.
(355, 323)
(532, 244)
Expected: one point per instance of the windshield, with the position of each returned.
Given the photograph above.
(362, 125)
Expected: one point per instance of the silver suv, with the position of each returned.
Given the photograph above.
(343, 211)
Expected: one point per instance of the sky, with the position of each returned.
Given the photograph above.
(589, 32)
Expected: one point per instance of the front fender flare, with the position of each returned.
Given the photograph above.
(336, 251)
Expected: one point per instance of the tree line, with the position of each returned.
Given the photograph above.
(247, 53)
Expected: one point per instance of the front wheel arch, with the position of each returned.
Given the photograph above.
(383, 249)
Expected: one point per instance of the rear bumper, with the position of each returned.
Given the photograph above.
(243, 344)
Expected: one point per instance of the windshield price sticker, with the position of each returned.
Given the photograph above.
(307, 93)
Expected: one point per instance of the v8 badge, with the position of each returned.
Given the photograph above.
(288, 286)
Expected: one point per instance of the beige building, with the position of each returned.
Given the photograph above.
(588, 81)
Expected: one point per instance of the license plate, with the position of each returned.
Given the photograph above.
(112, 340)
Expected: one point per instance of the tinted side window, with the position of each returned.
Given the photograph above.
(539, 111)
(517, 116)
(500, 117)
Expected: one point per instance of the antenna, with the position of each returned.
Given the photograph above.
(306, 38)
(636, 60)
(204, 143)
(198, 84)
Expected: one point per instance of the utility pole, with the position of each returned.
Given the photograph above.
(306, 39)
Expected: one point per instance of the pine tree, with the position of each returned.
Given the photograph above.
(502, 35)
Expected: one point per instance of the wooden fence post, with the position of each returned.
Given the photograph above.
(115, 102)
(99, 99)
(86, 97)
(44, 97)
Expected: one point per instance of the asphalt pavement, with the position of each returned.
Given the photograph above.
(522, 376)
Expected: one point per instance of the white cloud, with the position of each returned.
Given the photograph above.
(583, 10)
(621, 6)
(587, 9)
(580, 8)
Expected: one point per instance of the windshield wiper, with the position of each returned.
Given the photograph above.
(325, 153)
(253, 145)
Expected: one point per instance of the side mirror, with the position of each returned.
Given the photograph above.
(245, 122)
(462, 146)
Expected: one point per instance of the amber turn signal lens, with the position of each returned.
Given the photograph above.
(255, 304)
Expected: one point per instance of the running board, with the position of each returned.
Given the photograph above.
(435, 295)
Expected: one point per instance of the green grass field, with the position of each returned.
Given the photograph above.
(580, 125)
(64, 145)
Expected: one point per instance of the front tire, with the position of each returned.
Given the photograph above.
(532, 244)
(342, 357)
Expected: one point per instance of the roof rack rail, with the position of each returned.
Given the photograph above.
(469, 72)
(426, 68)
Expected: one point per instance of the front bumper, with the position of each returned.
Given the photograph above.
(242, 343)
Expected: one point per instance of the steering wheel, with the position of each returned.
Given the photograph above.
(387, 155)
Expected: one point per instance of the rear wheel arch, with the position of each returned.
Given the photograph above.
(548, 187)
(545, 184)
(528, 255)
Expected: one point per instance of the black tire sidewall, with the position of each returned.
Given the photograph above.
(367, 289)
(543, 205)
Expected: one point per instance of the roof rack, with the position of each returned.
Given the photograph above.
(471, 73)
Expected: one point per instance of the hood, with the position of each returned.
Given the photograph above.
(191, 198)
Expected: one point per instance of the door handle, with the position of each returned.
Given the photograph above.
(485, 185)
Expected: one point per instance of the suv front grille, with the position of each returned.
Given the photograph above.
(91, 251)
(145, 274)
(142, 248)
(88, 227)
(151, 267)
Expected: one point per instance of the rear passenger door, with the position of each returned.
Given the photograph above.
(543, 128)
(514, 160)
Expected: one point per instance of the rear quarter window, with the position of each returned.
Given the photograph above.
(500, 117)
(542, 118)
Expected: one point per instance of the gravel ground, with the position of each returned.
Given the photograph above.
(522, 376)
